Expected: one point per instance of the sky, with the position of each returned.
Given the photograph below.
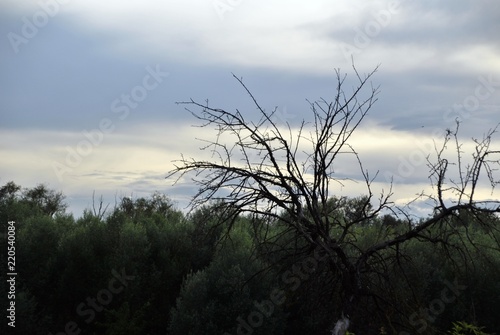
(88, 89)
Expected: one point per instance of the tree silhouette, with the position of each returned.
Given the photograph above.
(287, 174)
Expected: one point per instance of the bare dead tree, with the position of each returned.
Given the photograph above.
(287, 173)
(98, 212)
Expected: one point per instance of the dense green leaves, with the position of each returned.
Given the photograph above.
(221, 298)
(147, 268)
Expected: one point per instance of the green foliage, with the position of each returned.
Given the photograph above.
(10, 207)
(463, 328)
(213, 300)
(44, 200)
(18, 204)
(123, 322)
(193, 276)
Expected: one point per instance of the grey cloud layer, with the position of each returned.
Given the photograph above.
(66, 78)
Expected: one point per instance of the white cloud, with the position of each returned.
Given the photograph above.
(291, 36)
(136, 161)
(276, 34)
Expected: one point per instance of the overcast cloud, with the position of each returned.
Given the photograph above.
(67, 68)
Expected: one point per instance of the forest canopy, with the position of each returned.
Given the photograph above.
(188, 274)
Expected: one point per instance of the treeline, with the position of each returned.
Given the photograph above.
(144, 267)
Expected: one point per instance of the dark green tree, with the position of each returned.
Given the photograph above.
(48, 201)
(225, 297)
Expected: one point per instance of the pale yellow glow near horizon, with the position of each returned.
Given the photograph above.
(126, 159)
